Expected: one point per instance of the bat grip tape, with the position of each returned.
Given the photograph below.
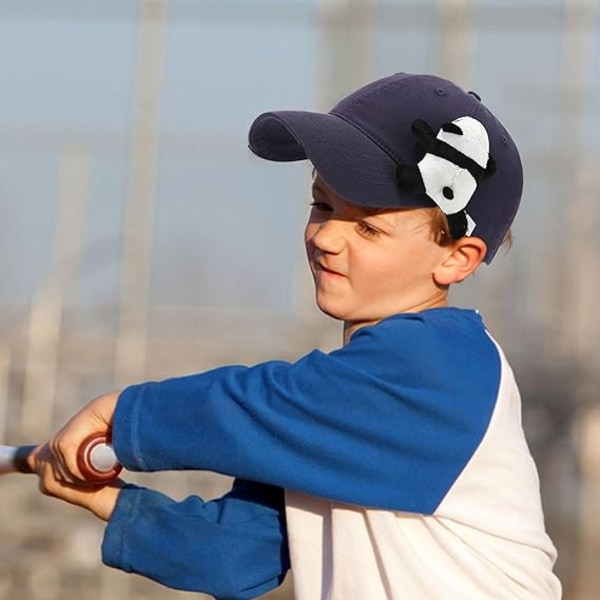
(20, 458)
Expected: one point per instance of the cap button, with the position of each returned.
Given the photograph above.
(475, 94)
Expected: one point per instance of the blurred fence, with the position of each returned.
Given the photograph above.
(89, 209)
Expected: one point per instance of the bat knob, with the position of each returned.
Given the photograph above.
(97, 461)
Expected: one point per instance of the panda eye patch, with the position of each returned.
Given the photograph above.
(448, 193)
(452, 128)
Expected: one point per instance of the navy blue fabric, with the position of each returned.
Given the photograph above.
(357, 146)
(232, 548)
(390, 420)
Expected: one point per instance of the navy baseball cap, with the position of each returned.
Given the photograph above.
(405, 141)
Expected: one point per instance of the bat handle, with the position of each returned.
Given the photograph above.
(19, 459)
(97, 460)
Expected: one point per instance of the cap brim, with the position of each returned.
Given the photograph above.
(353, 164)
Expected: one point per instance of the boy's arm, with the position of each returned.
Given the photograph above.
(389, 421)
(233, 547)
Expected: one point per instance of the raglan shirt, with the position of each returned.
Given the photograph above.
(402, 456)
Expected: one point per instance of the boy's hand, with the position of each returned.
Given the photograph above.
(94, 418)
(98, 499)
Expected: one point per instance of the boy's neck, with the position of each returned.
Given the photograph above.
(350, 327)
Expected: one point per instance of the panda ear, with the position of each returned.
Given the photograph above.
(452, 128)
(458, 224)
(409, 179)
(424, 132)
(490, 168)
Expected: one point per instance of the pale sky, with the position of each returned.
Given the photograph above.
(228, 225)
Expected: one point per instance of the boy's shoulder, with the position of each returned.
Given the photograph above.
(435, 322)
(452, 340)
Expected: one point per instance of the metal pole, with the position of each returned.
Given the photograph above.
(586, 582)
(131, 351)
(457, 38)
(141, 195)
(577, 49)
(344, 49)
(45, 323)
(345, 45)
(575, 309)
(5, 364)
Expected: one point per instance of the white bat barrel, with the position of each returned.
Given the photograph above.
(97, 461)
(7, 459)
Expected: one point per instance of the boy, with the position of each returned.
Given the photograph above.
(393, 467)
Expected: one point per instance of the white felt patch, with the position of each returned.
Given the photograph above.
(449, 185)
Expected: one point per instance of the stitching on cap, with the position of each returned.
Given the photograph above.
(373, 92)
(371, 136)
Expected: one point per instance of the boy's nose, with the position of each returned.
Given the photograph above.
(329, 236)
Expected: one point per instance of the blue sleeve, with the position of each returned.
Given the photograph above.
(388, 421)
(232, 548)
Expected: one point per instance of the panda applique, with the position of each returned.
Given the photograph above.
(456, 159)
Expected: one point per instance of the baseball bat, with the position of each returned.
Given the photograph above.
(96, 459)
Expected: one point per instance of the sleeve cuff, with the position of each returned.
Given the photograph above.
(124, 429)
(114, 541)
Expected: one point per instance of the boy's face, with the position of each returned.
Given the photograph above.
(368, 264)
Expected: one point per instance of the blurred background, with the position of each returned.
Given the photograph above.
(140, 239)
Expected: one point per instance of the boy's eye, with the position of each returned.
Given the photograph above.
(367, 229)
(321, 206)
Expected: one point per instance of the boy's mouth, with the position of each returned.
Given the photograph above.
(322, 267)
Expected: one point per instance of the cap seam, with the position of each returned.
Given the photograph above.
(372, 92)
(370, 135)
(397, 160)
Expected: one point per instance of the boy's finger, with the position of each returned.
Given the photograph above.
(95, 461)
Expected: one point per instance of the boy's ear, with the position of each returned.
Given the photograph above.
(463, 258)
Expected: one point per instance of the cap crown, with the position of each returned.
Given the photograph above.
(367, 136)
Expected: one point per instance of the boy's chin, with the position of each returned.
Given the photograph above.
(330, 311)
(330, 314)
(338, 313)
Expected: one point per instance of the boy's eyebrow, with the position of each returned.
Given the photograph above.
(368, 211)
(372, 210)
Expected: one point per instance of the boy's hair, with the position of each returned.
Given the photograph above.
(408, 141)
(442, 235)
